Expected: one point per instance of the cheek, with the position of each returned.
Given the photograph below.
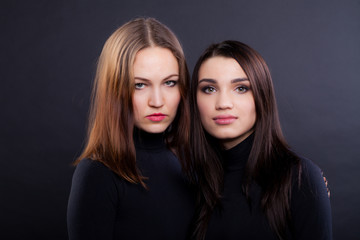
(173, 99)
(138, 104)
(204, 106)
(251, 111)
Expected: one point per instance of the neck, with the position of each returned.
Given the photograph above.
(232, 142)
(236, 157)
(146, 140)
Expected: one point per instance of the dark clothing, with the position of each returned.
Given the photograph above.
(104, 206)
(235, 219)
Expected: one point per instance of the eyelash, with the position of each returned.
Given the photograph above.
(207, 88)
(245, 89)
(239, 89)
(170, 83)
(139, 86)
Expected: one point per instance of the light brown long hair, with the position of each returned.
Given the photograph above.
(271, 163)
(111, 121)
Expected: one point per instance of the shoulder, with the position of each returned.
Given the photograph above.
(309, 183)
(92, 180)
(93, 201)
(88, 168)
(310, 204)
(308, 167)
(92, 174)
(310, 176)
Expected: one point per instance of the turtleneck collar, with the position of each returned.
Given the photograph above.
(145, 140)
(235, 158)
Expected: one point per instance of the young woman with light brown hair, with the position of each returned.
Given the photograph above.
(251, 184)
(129, 181)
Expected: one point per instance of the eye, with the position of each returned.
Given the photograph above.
(208, 89)
(139, 85)
(242, 89)
(171, 83)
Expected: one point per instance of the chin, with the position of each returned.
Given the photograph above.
(226, 136)
(154, 129)
(222, 135)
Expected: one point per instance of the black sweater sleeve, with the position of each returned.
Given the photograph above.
(93, 202)
(311, 211)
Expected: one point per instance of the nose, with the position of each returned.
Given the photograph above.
(156, 99)
(223, 101)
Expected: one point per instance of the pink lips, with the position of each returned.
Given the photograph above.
(156, 117)
(224, 119)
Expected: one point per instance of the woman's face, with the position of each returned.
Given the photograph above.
(225, 100)
(157, 96)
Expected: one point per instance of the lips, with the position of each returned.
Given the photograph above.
(224, 119)
(156, 117)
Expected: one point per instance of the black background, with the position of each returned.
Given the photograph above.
(48, 54)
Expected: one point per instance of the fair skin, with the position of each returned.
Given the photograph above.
(225, 101)
(156, 96)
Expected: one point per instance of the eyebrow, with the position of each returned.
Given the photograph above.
(208, 80)
(236, 80)
(147, 80)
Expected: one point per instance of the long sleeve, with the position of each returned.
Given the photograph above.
(92, 205)
(311, 210)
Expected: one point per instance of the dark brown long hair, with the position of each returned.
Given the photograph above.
(270, 162)
(111, 121)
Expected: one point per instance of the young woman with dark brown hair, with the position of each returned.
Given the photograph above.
(252, 185)
(128, 183)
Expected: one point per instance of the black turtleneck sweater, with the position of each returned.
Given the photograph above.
(234, 218)
(104, 206)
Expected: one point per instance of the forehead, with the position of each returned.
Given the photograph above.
(221, 68)
(155, 60)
